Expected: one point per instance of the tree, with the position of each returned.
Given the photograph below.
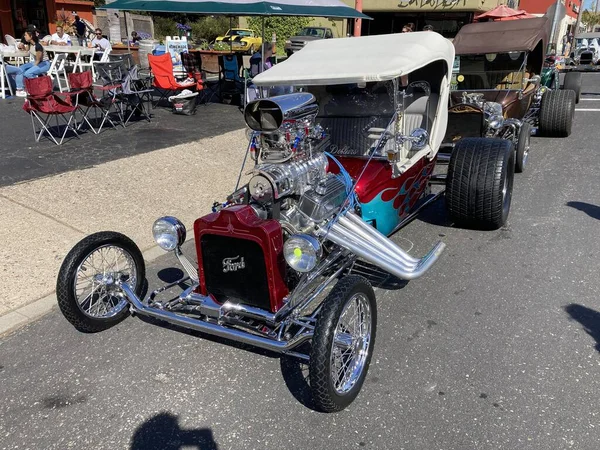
(590, 18)
(283, 27)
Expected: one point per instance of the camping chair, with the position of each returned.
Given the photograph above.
(82, 91)
(42, 104)
(135, 96)
(110, 76)
(126, 58)
(192, 62)
(232, 83)
(163, 79)
(57, 69)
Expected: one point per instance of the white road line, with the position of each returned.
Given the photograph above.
(589, 99)
(587, 109)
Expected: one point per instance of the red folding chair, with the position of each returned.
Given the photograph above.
(163, 79)
(42, 104)
(82, 92)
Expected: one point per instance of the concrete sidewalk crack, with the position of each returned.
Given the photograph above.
(48, 216)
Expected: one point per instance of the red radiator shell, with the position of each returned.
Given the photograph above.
(242, 222)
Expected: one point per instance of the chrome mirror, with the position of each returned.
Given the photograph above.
(419, 139)
(536, 79)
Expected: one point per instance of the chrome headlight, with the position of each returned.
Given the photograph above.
(494, 114)
(169, 233)
(496, 122)
(302, 252)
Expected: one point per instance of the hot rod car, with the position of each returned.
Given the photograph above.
(585, 53)
(337, 166)
(498, 90)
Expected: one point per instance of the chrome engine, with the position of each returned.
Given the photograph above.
(290, 181)
(492, 111)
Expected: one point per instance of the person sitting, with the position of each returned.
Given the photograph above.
(39, 66)
(256, 60)
(100, 43)
(60, 37)
(135, 38)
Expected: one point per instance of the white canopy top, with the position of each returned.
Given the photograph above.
(358, 60)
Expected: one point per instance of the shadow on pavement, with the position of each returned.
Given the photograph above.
(591, 210)
(162, 432)
(587, 317)
(24, 159)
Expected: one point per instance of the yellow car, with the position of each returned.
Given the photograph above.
(241, 40)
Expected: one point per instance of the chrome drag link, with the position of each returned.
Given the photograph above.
(282, 346)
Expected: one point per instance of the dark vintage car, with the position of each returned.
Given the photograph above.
(498, 90)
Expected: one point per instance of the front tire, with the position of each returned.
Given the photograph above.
(86, 289)
(556, 113)
(479, 182)
(573, 83)
(342, 348)
(523, 146)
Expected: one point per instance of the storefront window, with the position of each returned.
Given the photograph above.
(26, 12)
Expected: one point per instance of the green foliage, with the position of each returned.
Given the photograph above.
(590, 18)
(164, 26)
(209, 28)
(203, 28)
(283, 27)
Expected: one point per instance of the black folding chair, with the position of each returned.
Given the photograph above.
(136, 96)
(110, 83)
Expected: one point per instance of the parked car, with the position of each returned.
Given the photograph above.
(241, 40)
(498, 91)
(585, 53)
(285, 262)
(295, 43)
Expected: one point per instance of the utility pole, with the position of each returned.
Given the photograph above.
(576, 30)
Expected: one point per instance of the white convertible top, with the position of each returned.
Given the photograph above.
(358, 60)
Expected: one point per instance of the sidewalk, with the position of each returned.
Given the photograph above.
(42, 219)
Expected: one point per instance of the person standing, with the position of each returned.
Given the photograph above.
(39, 66)
(100, 43)
(80, 30)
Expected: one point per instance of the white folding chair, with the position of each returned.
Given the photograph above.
(5, 84)
(105, 55)
(58, 70)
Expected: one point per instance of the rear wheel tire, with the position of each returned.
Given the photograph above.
(86, 291)
(556, 113)
(342, 344)
(573, 83)
(523, 146)
(479, 182)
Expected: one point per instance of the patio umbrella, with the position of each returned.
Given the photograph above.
(503, 12)
(308, 8)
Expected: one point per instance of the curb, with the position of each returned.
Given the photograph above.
(24, 315)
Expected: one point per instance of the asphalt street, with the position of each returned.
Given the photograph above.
(497, 347)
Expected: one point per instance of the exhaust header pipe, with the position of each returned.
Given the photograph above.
(352, 233)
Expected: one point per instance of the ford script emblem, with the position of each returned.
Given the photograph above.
(233, 264)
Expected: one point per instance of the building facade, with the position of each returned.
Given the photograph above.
(566, 26)
(446, 16)
(15, 15)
